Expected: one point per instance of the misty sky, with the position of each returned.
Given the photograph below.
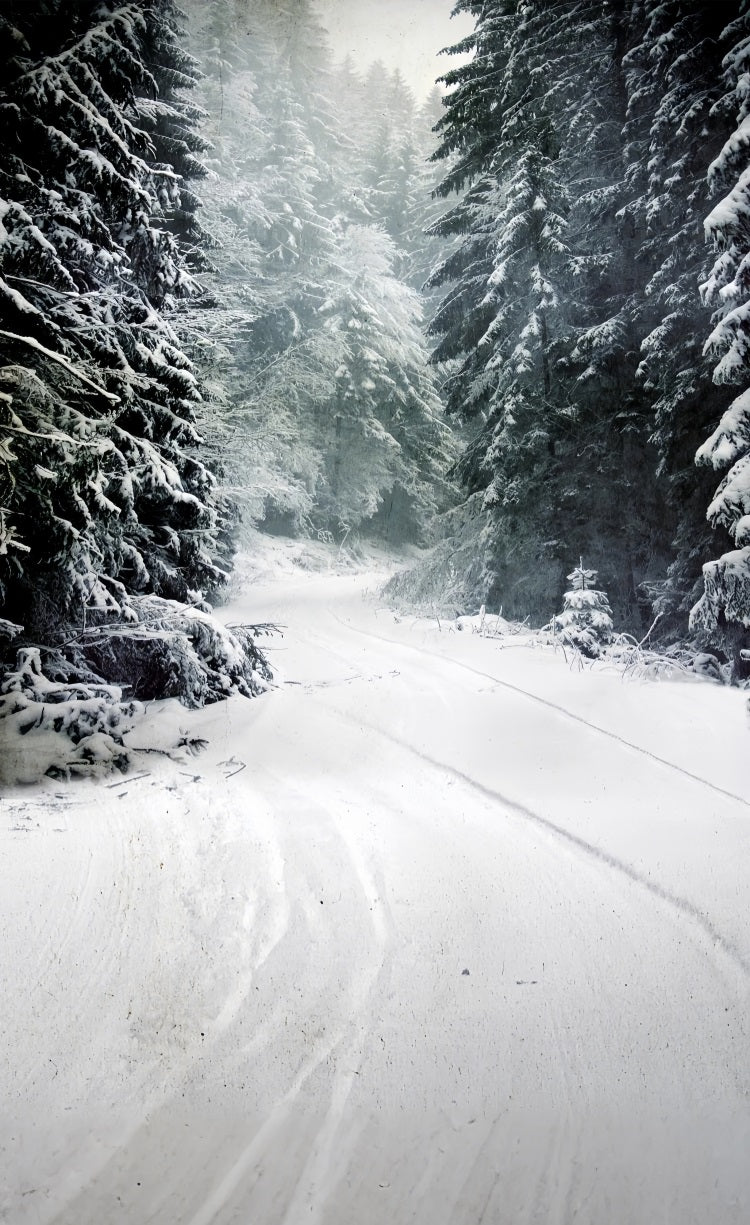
(405, 34)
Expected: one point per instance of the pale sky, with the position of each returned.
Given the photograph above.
(404, 34)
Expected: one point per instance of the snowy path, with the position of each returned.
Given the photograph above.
(465, 941)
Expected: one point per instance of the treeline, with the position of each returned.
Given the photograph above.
(318, 194)
(589, 327)
(113, 530)
(168, 363)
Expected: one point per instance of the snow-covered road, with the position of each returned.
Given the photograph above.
(439, 932)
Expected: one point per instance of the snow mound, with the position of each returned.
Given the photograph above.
(60, 729)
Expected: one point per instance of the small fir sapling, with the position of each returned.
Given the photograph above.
(586, 619)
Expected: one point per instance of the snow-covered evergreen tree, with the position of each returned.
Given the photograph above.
(674, 81)
(614, 101)
(425, 249)
(391, 178)
(272, 200)
(511, 370)
(291, 192)
(723, 612)
(535, 323)
(586, 619)
(389, 446)
(105, 498)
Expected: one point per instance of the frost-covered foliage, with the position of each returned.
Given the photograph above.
(59, 728)
(723, 612)
(586, 619)
(389, 447)
(104, 499)
(331, 416)
(674, 81)
(343, 427)
(537, 328)
(514, 359)
(725, 604)
(173, 650)
(97, 439)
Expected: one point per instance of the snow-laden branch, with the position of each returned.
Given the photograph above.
(33, 343)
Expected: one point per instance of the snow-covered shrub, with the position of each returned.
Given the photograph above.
(677, 661)
(69, 717)
(59, 728)
(586, 619)
(175, 650)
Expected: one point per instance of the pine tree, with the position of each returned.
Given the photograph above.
(531, 327)
(284, 196)
(549, 88)
(425, 250)
(385, 143)
(610, 473)
(389, 445)
(586, 619)
(105, 499)
(272, 204)
(723, 612)
(673, 75)
(513, 363)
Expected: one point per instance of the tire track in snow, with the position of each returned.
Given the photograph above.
(310, 1194)
(65, 920)
(682, 905)
(532, 697)
(277, 929)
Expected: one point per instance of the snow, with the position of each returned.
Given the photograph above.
(726, 588)
(731, 437)
(732, 499)
(33, 343)
(17, 298)
(734, 151)
(741, 530)
(440, 930)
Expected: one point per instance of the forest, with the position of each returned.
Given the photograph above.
(242, 283)
(374, 612)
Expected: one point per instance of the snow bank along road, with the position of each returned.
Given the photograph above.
(438, 932)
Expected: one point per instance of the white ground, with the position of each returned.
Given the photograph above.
(439, 932)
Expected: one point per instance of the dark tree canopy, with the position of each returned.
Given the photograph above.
(105, 499)
(582, 142)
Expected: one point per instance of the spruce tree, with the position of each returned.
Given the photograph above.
(723, 612)
(537, 337)
(586, 619)
(584, 91)
(106, 501)
(272, 200)
(388, 444)
(290, 190)
(674, 81)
